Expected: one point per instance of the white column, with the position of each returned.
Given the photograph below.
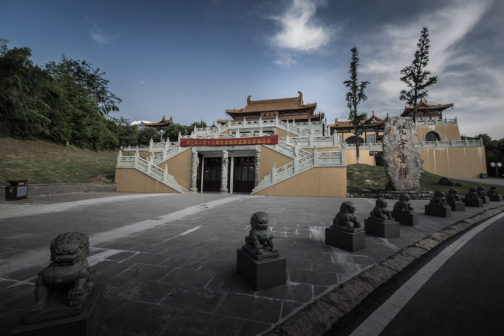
(194, 170)
(224, 172)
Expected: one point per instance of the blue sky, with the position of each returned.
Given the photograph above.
(192, 60)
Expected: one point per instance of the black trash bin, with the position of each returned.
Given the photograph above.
(16, 190)
(484, 176)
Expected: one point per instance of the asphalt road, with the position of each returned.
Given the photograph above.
(464, 296)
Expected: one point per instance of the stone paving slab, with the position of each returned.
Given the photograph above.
(169, 261)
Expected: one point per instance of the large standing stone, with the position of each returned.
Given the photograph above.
(401, 159)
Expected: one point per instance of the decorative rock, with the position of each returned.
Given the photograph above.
(380, 222)
(494, 195)
(447, 182)
(258, 261)
(401, 159)
(455, 201)
(403, 211)
(472, 199)
(438, 206)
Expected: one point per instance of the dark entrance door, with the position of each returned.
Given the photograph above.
(212, 175)
(244, 174)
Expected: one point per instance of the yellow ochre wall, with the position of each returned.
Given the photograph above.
(317, 182)
(281, 133)
(267, 158)
(464, 162)
(132, 180)
(446, 132)
(179, 167)
(351, 157)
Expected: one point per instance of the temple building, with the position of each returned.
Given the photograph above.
(161, 125)
(284, 109)
(282, 147)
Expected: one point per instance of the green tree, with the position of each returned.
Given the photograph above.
(416, 78)
(200, 124)
(354, 97)
(22, 87)
(173, 130)
(91, 79)
(145, 135)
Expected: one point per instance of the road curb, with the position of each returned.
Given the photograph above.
(319, 316)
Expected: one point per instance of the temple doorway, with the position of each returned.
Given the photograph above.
(243, 174)
(213, 173)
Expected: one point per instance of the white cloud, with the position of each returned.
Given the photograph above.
(299, 32)
(98, 35)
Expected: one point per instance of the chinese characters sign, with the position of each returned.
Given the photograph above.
(265, 140)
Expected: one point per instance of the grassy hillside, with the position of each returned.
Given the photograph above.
(357, 174)
(45, 162)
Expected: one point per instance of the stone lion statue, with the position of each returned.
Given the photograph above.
(481, 192)
(380, 211)
(259, 237)
(453, 196)
(493, 191)
(403, 205)
(472, 194)
(69, 266)
(439, 198)
(345, 219)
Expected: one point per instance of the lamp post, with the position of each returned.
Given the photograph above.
(497, 166)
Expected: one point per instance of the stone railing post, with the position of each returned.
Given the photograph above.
(335, 139)
(437, 143)
(224, 173)
(287, 138)
(135, 160)
(119, 155)
(315, 156)
(194, 171)
(151, 144)
(310, 140)
(149, 165)
(296, 165)
(296, 149)
(481, 141)
(165, 173)
(276, 121)
(273, 174)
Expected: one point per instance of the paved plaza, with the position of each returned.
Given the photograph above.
(169, 261)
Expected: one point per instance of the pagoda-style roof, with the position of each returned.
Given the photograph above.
(284, 108)
(425, 109)
(374, 123)
(163, 123)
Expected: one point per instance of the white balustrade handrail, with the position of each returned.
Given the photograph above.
(146, 166)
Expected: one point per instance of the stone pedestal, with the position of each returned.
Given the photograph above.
(472, 202)
(348, 241)
(485, 199)
(262, 274)
(457, 206)
(495, 198)
(438, 210)
(79, 321)
(387, 228)
(405, 218)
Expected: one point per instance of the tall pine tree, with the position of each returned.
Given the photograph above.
(354, 97)
(415, 76)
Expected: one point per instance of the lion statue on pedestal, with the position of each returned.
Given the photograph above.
(345, 219)
(69, 266)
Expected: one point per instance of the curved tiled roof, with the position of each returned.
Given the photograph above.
(283, 104)
(424, 107)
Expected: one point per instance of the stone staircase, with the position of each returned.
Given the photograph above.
(150, 169)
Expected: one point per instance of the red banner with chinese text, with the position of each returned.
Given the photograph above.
(265, 140)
